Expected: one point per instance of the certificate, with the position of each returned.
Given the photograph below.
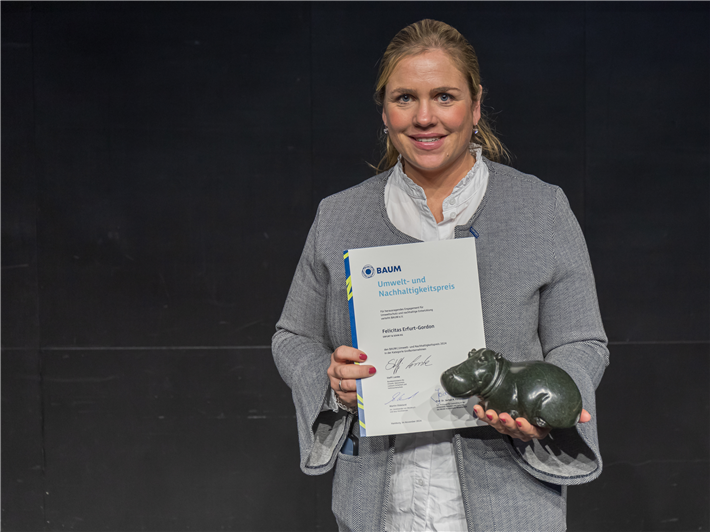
(415, 310)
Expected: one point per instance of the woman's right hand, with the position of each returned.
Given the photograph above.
(343, 373)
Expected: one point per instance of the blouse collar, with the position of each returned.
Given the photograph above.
(463, 190)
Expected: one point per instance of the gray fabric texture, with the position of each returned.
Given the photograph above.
(539, 302)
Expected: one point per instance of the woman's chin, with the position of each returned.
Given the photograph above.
(432, 164)
(426, 165)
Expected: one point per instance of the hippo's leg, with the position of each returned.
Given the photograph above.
(483, 402)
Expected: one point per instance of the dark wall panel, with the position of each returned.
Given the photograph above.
(22, 458)
(173, 171)
(648, 177)
(156, 251)
(22, 442)
(659, 496)
(652, 404)
(19, 208)
(174, 440)
(184, 65)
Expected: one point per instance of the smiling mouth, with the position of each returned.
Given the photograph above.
(429, 139)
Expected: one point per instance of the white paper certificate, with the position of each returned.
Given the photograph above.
(415, 310)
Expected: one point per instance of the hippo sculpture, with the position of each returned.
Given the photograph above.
(541, 392)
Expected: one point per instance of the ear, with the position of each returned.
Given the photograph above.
(477, 106)
(384, 116)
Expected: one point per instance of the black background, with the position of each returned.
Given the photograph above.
(161, 165)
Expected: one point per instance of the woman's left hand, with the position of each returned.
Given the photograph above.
(519, 428)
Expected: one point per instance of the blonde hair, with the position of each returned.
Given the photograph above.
(427, 35)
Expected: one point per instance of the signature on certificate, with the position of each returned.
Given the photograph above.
(440, 395)
(395, 364)
(416, 363)
(399, 397)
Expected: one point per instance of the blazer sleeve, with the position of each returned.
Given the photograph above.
(302, 353)
(573, 338)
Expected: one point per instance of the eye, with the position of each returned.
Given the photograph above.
(405, 98)
(445, 98)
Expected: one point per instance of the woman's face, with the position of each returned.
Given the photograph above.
(430, 115)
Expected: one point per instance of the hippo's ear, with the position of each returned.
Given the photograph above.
(498, 356)
(471, 353)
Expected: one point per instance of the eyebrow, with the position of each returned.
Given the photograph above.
(446, 89)
(435, 90)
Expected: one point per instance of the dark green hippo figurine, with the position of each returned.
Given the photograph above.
(541, 392)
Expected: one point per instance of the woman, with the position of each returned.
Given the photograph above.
(538, 298)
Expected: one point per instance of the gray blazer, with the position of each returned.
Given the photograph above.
(539, 302)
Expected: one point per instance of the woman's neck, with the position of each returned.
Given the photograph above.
(438, 185)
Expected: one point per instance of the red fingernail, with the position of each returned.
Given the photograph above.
(372, 371)
(520, 424)
(502, 419)
(489, 416)
(363, 356)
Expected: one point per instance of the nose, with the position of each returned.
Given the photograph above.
(425, 115)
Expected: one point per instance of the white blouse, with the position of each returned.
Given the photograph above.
(425, 489)
(409, 212)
